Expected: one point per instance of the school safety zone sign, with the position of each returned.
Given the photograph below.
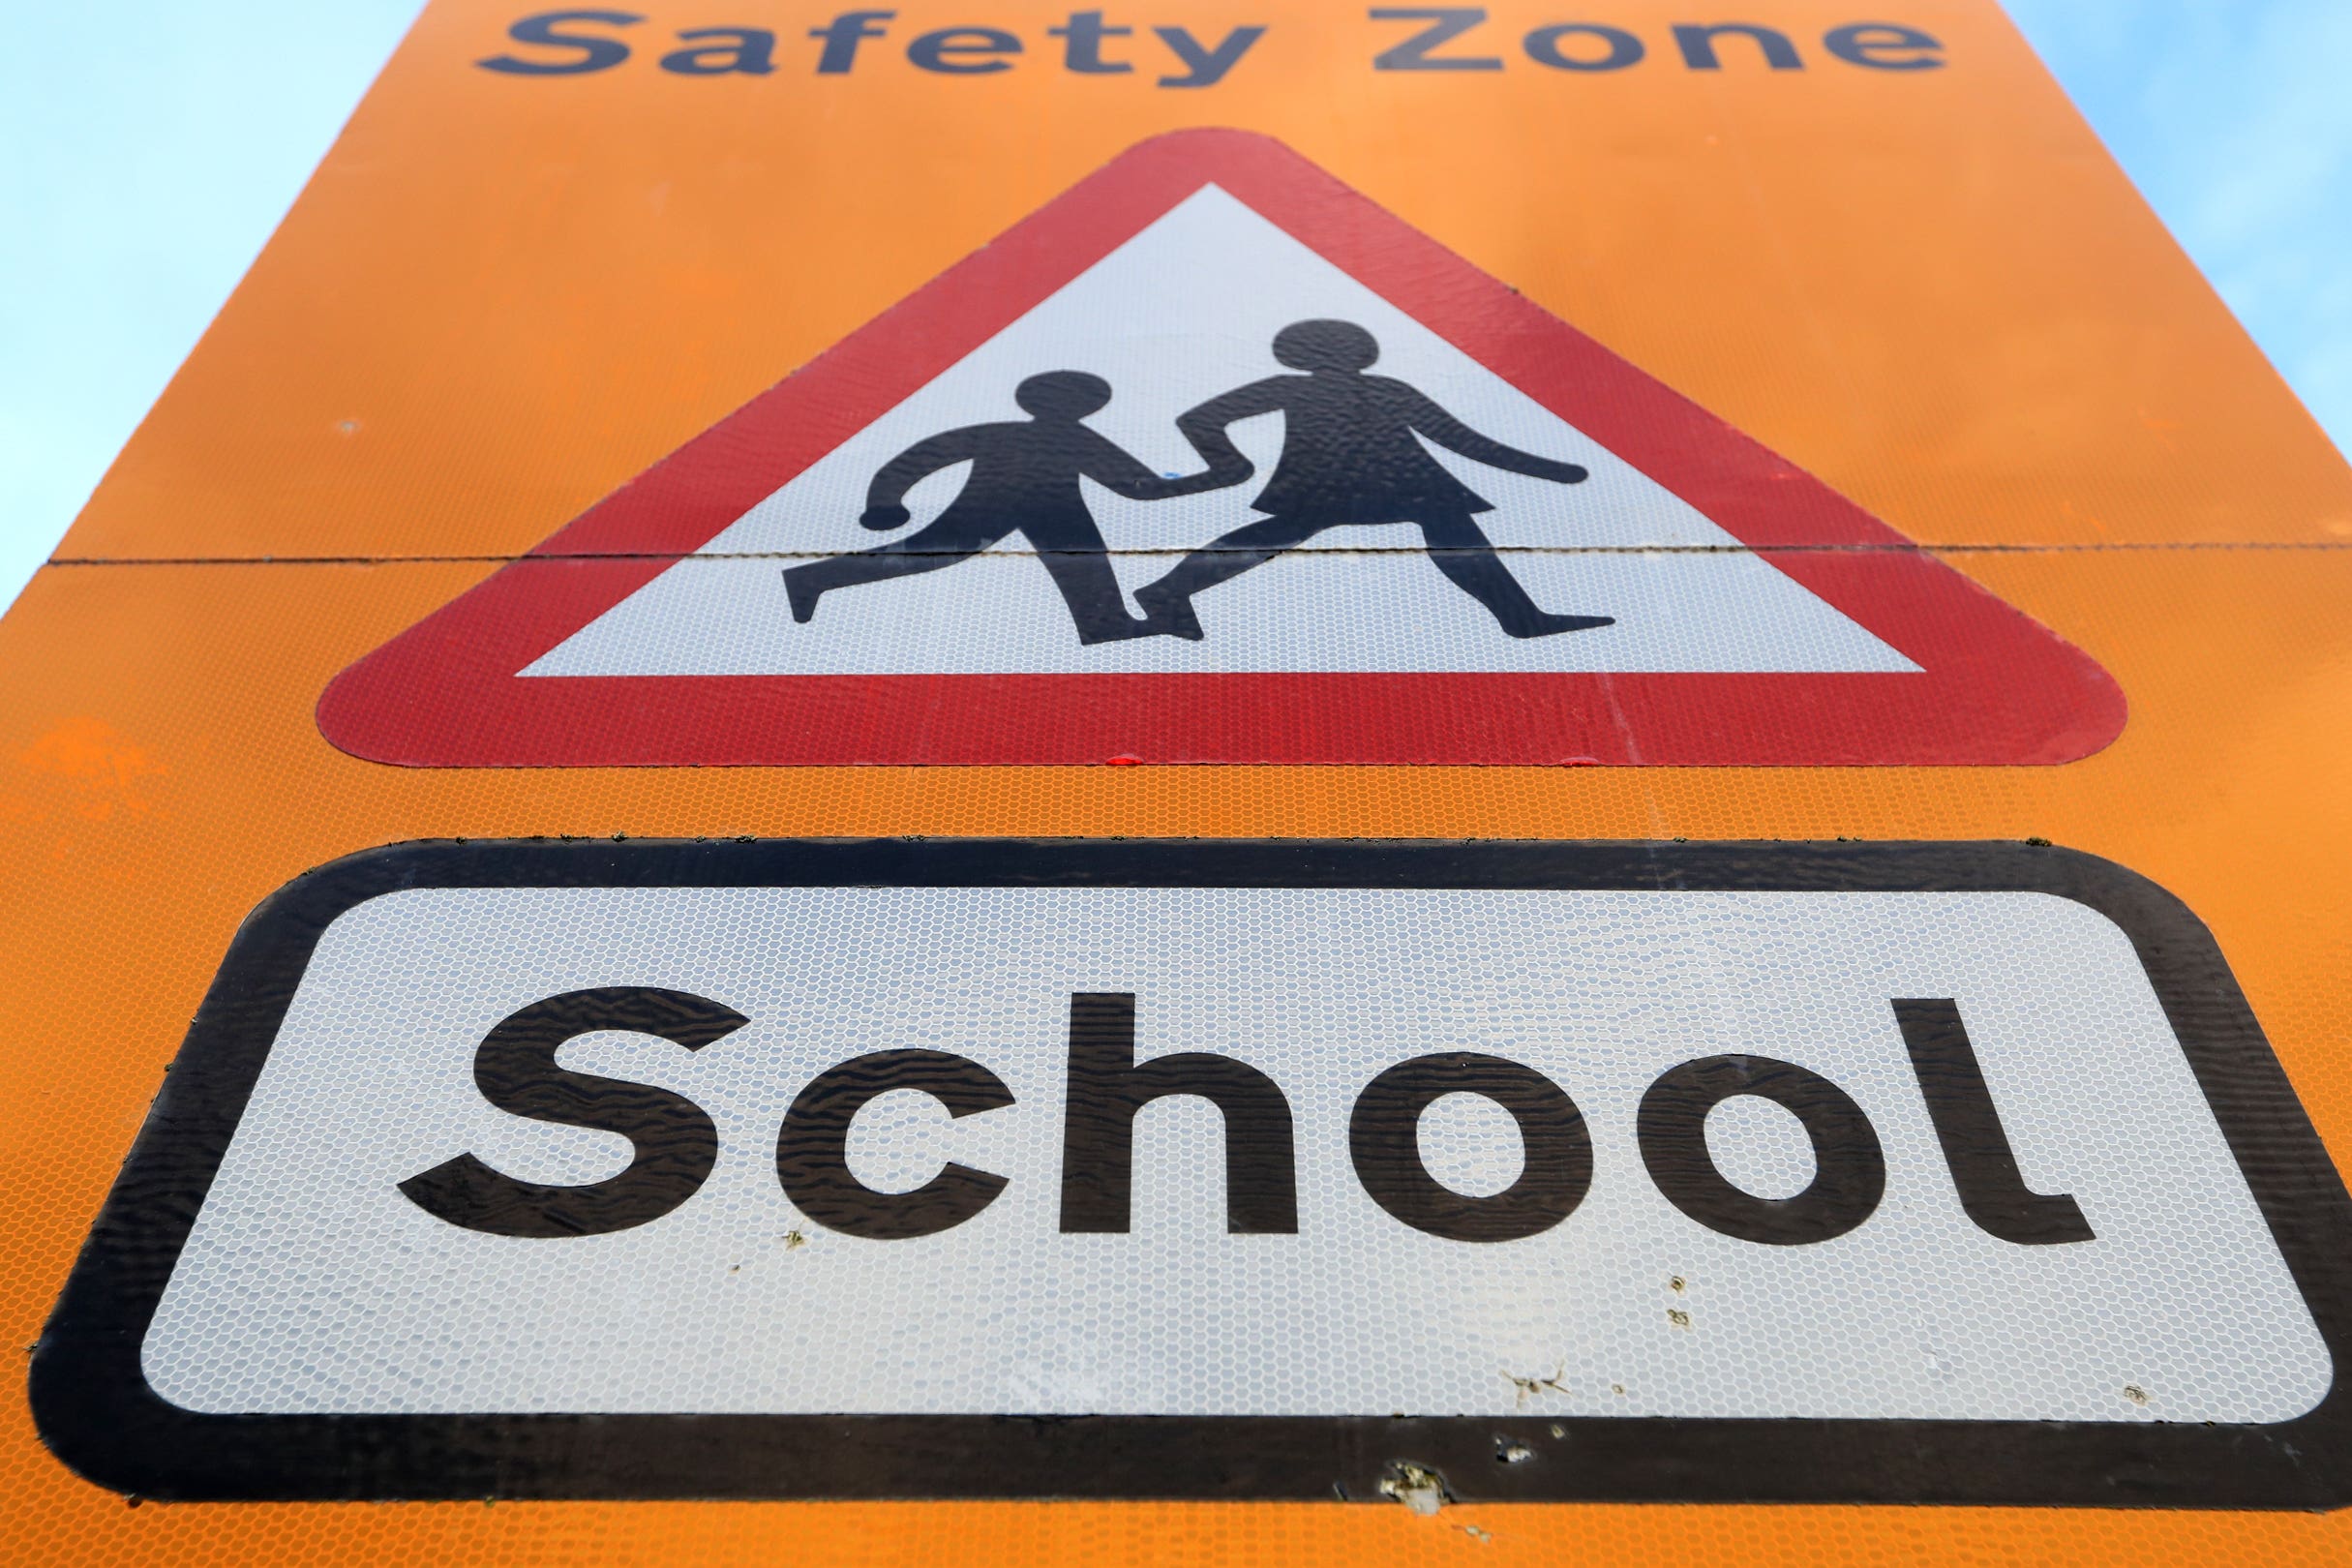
(1286, 1169)
(1213, 460)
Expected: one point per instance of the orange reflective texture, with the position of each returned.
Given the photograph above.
(505, 294)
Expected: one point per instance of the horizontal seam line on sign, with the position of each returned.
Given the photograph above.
(2129, 546)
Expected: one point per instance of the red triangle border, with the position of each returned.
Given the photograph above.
(1994, 687)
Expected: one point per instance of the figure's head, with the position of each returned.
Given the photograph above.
(1325, 346)
(1062, 394)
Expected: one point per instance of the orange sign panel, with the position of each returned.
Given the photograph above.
(820, 792)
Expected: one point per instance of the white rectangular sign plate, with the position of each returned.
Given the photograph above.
(1217, 1170)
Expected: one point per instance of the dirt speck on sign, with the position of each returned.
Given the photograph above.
(1420, 1489)
(1528, 1387)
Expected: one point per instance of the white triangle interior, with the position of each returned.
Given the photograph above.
(1180, 313)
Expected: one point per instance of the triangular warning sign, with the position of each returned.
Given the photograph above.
(1212, 460)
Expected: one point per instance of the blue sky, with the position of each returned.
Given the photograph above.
(142, 176)
(2233, 118)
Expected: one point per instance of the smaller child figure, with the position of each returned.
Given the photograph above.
(1024, 480)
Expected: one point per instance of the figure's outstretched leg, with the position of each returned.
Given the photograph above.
(1461, 549)
(1168, 602)
(927, 550)
(1091, 588)
(1073, 552)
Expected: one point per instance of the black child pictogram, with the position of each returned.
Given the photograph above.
(1350, 454)
(1024, 480)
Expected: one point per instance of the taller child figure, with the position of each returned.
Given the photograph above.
(1351, 455)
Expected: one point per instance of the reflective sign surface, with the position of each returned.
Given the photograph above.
(554, 254)
(1589, 1134)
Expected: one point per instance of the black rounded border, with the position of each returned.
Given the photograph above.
(93, 1406)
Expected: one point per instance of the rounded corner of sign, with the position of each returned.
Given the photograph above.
(1206, 138)
(89, 1436)
(2088, 734)
(315, 898)
(2322, 1436)
(345, 720)
(90, 1459)
(2104, 709)
(2085, 706)
(2334, 1493)
(2068, 872)
(2143, 908)
(2086, 714)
